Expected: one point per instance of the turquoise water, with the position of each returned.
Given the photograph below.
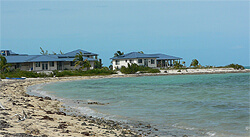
(214, 104)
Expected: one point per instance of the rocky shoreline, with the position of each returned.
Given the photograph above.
(27, 116)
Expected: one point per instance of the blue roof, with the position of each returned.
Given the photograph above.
(18, 58)
(79, 50)
(134, 55)
(165, 57)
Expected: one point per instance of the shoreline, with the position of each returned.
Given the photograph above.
(44, 117)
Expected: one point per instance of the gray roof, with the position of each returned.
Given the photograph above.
(134, 55)
(44, 58)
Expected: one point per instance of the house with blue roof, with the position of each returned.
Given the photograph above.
(141, 59)
(47, 62)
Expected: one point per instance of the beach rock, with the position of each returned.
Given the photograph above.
(62, 126)
(85, 133)
(3, 124)
(49, 112)
(47, 118)
(61, 113)
(47, 98)
(5, 114)
(95, 103)
(84, 124)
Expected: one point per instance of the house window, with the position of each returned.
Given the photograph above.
(37, 64)
(126, 60)
(72, 63)
(117, 62)
(139, 60)
(130, 60)
(152, 61)
(51, 64)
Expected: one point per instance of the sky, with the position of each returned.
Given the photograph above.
(214, 32)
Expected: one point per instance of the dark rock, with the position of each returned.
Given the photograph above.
(47, 98)
(84, 124)
(62, 126)
(3, 124)
(29, 105)
(95, 103)
(65, 131)
(47, 118)
(49, 112)
(61, 113)
(85, 133)
(148, 126)
(5, 114)
(41, 99)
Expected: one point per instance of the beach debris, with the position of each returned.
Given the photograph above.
(2, 107)
(21, 118)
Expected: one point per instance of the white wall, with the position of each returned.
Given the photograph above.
(125, 62)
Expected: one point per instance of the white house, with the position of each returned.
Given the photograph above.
(147, 60)
(47, 62)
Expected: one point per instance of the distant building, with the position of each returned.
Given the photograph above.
(47, 62)
(147, 60)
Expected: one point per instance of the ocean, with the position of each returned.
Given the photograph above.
(194, 105)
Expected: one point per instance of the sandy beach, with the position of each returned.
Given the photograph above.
(25, 115)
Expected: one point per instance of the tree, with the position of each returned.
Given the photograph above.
(98, 64)
(177, 65)
(141, 52)
(3, 64)
(61, 52)
(184, 63)
(44, 52)
(80, 62)
(194, 63)
(118, 53)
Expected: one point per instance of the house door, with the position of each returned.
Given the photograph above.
(59, 65)
(145, 62)
(44, 66)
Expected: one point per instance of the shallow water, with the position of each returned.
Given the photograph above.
(214, 104)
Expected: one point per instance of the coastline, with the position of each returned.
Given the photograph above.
(44, 117)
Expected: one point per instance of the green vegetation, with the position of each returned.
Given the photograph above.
(235, 66)
(4, 66)
(133, 68)
(177, 65)
(103, 71)
(80, 62)
(194, 63)
(118, 53)
(32, 74)
(17, 73)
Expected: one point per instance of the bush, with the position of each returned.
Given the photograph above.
(235, 66)
(133, 68)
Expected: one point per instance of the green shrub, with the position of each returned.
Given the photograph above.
(133, 68)
(235, 66)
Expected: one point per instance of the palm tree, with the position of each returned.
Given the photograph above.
(44, 52)
(183, 62)
(118, 53)
(194, 63)
(79, 61)
(3, 64)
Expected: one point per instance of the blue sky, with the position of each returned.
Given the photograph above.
(214, 32)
